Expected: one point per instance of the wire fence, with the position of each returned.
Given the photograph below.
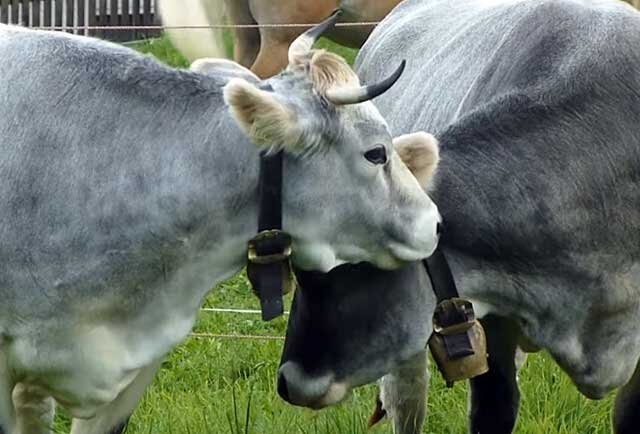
(194, 27)
(118, 20)
(237, 336)
(88, 17)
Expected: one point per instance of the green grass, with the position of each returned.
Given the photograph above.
(221, 386)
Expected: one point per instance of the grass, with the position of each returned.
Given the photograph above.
(228, 386)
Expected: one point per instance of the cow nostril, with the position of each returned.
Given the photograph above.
(283, 390)
(439, 228)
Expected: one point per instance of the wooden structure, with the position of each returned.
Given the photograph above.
(78, 16)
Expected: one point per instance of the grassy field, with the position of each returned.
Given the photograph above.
(221, 386)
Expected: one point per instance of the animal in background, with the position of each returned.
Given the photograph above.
(263, 50)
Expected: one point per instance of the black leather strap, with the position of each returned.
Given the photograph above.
(444, 286)
(440, 276)
(270, 192)
(267, 279)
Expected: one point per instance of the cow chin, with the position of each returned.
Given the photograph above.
(318, 255)
(315, 392)
(337, 393)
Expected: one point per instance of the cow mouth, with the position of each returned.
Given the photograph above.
(310, 392)
(337, 393)
(404, 255)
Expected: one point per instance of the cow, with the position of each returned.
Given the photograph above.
(130, 188)
(536, 105)
(264, 50)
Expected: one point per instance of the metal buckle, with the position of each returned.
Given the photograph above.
(278, 245)
(453, 316)
(458, 342)
(269, 237)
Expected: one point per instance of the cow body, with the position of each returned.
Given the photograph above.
(130, 189)
(536, 105)
(106, 279)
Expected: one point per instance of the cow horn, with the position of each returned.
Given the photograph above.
(352, 95)
(303, 43)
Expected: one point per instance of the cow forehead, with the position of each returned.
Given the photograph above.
(366, 118)
(297, 89)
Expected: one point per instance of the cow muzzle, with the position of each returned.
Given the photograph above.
(298, 388)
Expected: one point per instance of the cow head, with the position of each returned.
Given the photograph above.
(350, 327)
(347, 195)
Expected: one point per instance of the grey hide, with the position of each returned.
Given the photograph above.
(128, 191)
(536, 105)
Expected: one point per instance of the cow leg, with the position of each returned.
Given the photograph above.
(247, 41)
(404, 395)
(272, 58)
(112, 418)
(34, 410)
(7, 410)
(495, 396)
(247, 46)
(626, 412)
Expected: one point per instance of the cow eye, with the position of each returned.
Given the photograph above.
(377, 155)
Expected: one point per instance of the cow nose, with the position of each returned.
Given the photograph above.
(439, 228)
(283, 390)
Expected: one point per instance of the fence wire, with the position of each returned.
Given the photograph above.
(208, 26)
(233, 310)
(236, 336)
(231, 336)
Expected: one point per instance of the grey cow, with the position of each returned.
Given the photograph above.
(129, 189)
(536, 105)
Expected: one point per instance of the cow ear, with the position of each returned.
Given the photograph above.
(267, 122)
(420, 152)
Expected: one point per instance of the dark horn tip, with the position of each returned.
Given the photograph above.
(396, 75)
(317, 31)
(380, 88)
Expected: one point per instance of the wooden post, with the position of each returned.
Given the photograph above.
(15, 5)
(113, 13)
(103, 17)
(146, 15)
(4, 11)
(91, 16)
(124, 21)
(113, 20)
(57, 13)
(46, 19)
(135, 16)
(70, 13)
(24, 16)
(35, 17)
(80, 17)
